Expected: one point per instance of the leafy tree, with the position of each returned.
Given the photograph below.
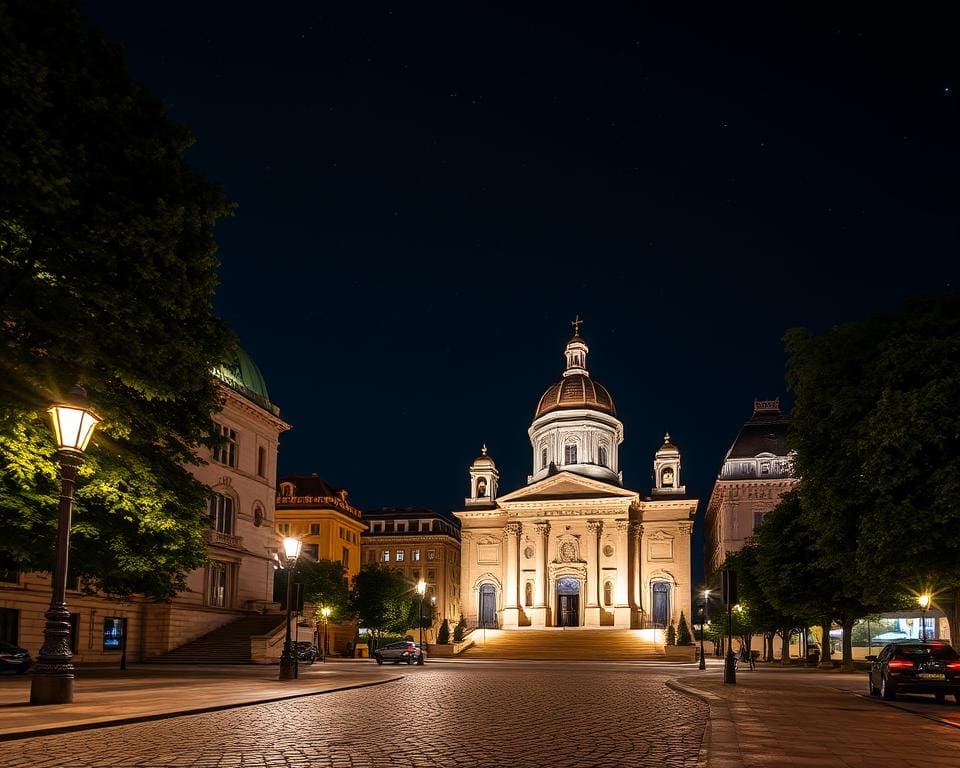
(324, 584)
(380, 599)
(671, 635)
(459, 630)
(877, 435)
(443, 634)
(683, 631)
(107, 271)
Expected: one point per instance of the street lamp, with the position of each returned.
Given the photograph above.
(924, 601)
(325, 613)
(288, 661)
(73, 425)
(703, 621)
(421, 590)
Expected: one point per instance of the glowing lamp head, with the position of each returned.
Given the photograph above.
(433, 600)
(325, 612)
(924, 600)
(291, 547)
(421, 587)
(73, 421)
(706, 594)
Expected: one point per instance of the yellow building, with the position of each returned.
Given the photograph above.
(320, 516)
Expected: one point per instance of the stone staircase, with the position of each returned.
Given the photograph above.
(229, 644)
(569, 644)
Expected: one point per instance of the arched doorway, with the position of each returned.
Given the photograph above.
(568, 602)
(488, 606)
(660, 603)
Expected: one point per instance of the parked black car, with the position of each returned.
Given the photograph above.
(915, 667)
(14, 659)
(406, 650)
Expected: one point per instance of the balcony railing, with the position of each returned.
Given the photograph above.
(223, 539)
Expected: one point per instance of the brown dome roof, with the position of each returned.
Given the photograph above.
(576, 391)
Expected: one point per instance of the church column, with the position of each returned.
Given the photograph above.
(591, 616)
(511, 611)
(539, 614)
(621, 611)
(636, 548)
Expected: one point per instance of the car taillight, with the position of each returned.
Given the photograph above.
(953, 666)
(900, 664)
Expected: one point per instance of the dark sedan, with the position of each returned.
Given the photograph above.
(14, 659)
(911, 666)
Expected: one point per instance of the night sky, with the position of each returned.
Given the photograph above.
(427, 197)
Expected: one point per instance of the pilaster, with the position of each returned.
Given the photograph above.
(591, 614)
(511, 609)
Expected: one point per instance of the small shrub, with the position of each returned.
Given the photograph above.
(443, 634)
(671, 635)
(683, 632)
(459, 629)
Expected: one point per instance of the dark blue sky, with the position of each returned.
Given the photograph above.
(427, 197)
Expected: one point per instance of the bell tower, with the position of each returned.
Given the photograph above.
(666, 470)
(484, 479)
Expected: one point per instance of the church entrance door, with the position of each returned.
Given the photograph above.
(488, 606)
(568, 602)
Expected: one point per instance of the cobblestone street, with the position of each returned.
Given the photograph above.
(443, 714)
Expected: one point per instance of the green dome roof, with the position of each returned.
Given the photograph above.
(242, 375)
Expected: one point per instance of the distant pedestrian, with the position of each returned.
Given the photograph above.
(747, 657)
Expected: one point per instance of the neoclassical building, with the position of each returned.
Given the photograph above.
(573, 547)
(756, 472)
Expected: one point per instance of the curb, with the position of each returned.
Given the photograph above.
(720, 747)
(55, 729)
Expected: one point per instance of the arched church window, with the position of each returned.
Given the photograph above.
(570, 453)
(608, 593)
(666, 478)
(602, 455)
(528, 594)
(481, 487)
(543, 458)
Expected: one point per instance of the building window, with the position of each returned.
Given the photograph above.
(371, 556)
(543, 458)
(666, 478)
(226, 452)
(399, 555)
(570, 454)
(113, 631)
(757, 520)
(312, 551)
(284, 529)
(286, 490)
(262, 461)
(431, 575)
(764, 467)
(415, 555)
(431, 554)
(342, 534)
(426, 526)
(10, 625)
(345, 559)
(386, 555)
(314, 529)
(221, 513)
(217, 584)
(602, 455)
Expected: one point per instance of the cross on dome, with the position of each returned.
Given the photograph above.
(577, 322)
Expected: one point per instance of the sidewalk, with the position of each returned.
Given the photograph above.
(107, 696)
(802, 718)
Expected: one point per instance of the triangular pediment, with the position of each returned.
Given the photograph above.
(567, 485)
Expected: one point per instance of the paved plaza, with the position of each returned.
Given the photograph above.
(490, 713)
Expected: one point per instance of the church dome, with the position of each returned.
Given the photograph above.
(242, 375)
(576, 391)
(483, 460)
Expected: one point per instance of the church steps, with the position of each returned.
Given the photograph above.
(564, 645)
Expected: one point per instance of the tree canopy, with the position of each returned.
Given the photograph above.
(107, 272)
(380, 599)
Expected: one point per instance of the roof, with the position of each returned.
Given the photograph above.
(764, 432)
(407, 513)
(577, 390)
(310, 485)
(311, 492)
(243, 376)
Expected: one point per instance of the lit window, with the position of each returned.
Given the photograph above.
(416, 556)
(764, 467)
(226, 452)
(570, 454)
(399, 555)
(221, 513)
(386, 555)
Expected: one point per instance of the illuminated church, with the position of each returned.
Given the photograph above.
(573, 547)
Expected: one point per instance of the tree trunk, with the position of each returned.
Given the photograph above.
(785, 646)
(826, 662)
(846, 664)
(953, 617)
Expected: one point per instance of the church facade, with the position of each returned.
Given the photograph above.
(574, 547)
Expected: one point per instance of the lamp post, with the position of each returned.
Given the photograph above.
(703, 622)
(421, 590)
(73, 425)
(325, 613)
(924, 601)
(288, 660)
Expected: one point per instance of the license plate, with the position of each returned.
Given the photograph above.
(931, 676)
